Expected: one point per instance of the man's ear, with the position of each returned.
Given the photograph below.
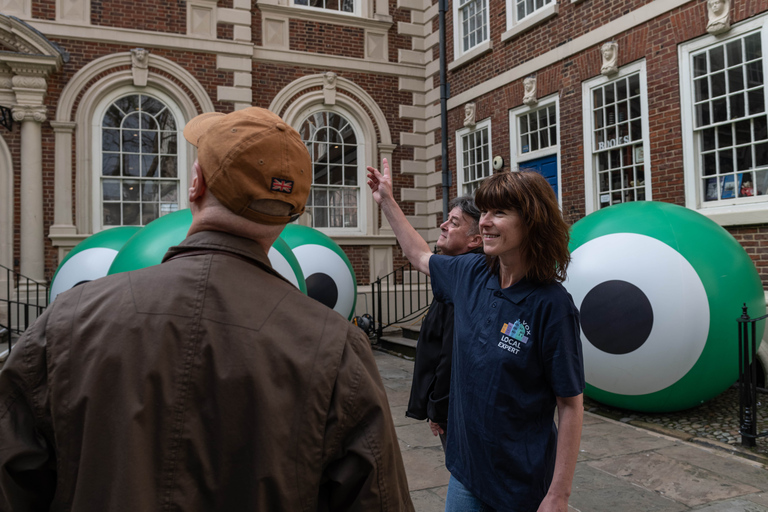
(197, 189)
(475, 241)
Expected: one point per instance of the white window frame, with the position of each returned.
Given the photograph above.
(358, 11)
(739, 211)
(458, 36)
(591, 192)
(100, 110)
(517, 26)
(482, 125)
(516, 156)
(363, 197)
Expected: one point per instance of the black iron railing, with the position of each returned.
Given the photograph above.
(748, 369)
(22, 300)
(398, 297)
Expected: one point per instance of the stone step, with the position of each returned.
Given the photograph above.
(411, 331)
(398, 344)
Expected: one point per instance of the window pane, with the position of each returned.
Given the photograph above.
(131, 214)
(111, 214)
(110, 190)
(169, 167)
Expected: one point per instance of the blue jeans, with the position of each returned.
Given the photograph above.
(460, 499)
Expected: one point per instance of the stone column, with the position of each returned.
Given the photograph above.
(62, 197)
(32, 246)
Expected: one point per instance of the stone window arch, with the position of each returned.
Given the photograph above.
(311, 95)
(79, 114)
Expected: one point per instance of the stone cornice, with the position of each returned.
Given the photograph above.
(142, 38)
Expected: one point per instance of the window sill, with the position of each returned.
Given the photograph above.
(528, 23)
(737, 215)
(471, 55)
(381, 23)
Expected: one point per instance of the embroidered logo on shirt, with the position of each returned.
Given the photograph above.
(517, 331)
(515, 335)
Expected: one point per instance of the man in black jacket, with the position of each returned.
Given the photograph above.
(460, 234)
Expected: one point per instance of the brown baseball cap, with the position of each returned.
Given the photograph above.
(251, 154)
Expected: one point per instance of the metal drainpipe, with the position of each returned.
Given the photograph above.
(444, 93)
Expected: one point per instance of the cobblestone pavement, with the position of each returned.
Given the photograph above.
(716, 420)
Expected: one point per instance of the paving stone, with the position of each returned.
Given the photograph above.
(597, 491)
(759, 498)
(417, 435)
(679, 481)
(425, 468)
(399, 417)
(733, 506)
(427, 501)
(744, 471)
(608, 438)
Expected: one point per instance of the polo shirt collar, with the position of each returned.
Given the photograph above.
(516, 293)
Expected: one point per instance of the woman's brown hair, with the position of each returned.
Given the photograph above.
(545, 241)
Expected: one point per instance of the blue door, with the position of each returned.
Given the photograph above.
(547, 167)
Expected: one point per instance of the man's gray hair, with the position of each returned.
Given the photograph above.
(467, 206)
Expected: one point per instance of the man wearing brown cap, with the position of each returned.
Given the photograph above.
(208, 382)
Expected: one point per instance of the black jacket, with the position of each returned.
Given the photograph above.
(432, 369)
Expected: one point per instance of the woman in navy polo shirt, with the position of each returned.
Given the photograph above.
(517, 352)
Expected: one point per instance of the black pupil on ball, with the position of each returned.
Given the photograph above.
(323, 288)
(616, 317)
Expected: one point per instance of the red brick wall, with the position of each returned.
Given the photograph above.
(328, 39)
(44, 9)
(359, 258)
(167, 16)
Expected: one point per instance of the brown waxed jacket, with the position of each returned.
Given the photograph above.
(205, 383)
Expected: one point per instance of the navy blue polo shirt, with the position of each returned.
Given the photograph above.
(514, 351)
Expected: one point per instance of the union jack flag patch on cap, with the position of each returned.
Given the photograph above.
(279, 185)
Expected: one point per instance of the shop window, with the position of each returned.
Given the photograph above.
(332, 143)
(473, 156)
(617, 169)
(139, 161)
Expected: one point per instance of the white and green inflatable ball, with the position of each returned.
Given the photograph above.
(148, 247)
(90, 259)
(327, 270)
(285, 263)
(659, 288)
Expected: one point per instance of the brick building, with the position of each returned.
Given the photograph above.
(625, 100)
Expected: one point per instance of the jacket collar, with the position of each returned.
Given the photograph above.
(220, 241)
(516, 293)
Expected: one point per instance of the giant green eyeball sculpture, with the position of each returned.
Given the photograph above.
(659, 288)
(327, 270)
(148, 246)
(90, 259)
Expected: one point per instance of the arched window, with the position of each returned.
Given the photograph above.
(138, 153)
(333, 146)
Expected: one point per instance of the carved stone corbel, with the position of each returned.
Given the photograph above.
(329, 88)
(140, 66)
(469, 115)
(529, 88)
(610, 54)
(718, 16)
